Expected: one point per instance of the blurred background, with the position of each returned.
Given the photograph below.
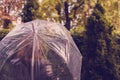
(93, 24)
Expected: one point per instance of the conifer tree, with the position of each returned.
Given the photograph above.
(100, 52)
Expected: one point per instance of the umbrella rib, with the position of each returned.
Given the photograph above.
(12, 54)
(33, 28)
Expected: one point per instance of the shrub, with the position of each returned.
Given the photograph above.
(3, 33)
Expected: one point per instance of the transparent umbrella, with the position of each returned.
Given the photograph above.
(39, 50)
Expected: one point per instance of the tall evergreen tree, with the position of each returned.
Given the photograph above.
(30, 10)
(100, 52)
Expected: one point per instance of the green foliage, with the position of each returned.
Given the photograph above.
(31, 10)
(112, 11)
(3, 33)
(77, 31)
(48, 11)
(100, 48)
(64, 11)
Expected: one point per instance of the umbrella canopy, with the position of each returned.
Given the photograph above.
(39, 50)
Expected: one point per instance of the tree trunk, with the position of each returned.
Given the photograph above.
(67, 23)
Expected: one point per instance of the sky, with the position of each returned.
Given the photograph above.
(40, 0)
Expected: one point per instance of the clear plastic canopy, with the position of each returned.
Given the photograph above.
(39, 50)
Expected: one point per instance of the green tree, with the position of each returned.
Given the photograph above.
(112, 9)
(48, 11)
(70, 13)
(30, 10)
(100, 48)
